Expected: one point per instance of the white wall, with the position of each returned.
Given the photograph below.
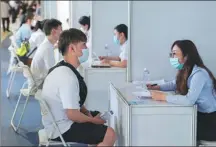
(78, 9)
(49, 9)
(63, 12)
(156, 25)
(105, 16)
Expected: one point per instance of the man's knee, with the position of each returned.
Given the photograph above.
(110, 134)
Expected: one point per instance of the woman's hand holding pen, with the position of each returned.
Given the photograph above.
(153, 86)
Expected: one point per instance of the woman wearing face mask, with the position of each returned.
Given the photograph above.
(194, 84)
(84, 21)
(120, 38)
(25, 31)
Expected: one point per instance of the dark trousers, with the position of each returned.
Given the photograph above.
(14, 13)
(6, 20)
(206, 126)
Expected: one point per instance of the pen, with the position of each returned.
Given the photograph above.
(154, 85)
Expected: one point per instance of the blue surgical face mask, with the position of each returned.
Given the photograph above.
(85, 55)
(116, 40)
(175, 63)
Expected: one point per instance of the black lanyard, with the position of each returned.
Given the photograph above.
(82, 85)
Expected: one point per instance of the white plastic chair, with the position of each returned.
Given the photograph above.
(12, 69)
(44, 138)
(25, 92)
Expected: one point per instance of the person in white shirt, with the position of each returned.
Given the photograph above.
(37, 37)
(65, 91)
(44, 57)
(120, 38)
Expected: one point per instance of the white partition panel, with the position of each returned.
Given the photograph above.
(49, 9)
(63, 13)
(105, 16)
(156, 25)
(78, 9)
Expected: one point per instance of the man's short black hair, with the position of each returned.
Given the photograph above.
(70, 36)
(122, 28)
(51, 24)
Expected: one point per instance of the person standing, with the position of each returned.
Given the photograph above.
(5, 15)
(14, 8)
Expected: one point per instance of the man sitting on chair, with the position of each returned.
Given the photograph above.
(65, 92)
(44, 57)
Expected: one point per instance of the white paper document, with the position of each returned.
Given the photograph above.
(141, 94)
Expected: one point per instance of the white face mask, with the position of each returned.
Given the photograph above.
(33, 23)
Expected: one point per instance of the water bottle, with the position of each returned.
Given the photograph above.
(106, 115)
(146, 76)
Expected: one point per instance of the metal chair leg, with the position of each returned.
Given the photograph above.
(15, 110)
(14, 113)
(10, 83)
(20, 120)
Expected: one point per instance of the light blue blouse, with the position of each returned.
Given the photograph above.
(200, 91)
(24, 32)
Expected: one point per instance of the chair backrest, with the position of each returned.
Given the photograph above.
(13, 52)
(13, 42)
(45, 110)
(28, 74)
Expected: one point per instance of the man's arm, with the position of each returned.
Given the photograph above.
(77, 116)
(113, 58)
(69, 94)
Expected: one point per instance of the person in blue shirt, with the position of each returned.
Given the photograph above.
(194, 85)
(25, 31)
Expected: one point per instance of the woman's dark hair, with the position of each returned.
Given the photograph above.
(122, 28)
(29, 15)
(189, 51)
(85, 20)
(40, 25)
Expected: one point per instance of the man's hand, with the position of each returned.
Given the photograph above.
(89, 114)
(98, 115)
(105, 61)
(97, 120)
(85, 111)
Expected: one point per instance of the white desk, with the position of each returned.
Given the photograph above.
(97, 81)
(152, 123)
